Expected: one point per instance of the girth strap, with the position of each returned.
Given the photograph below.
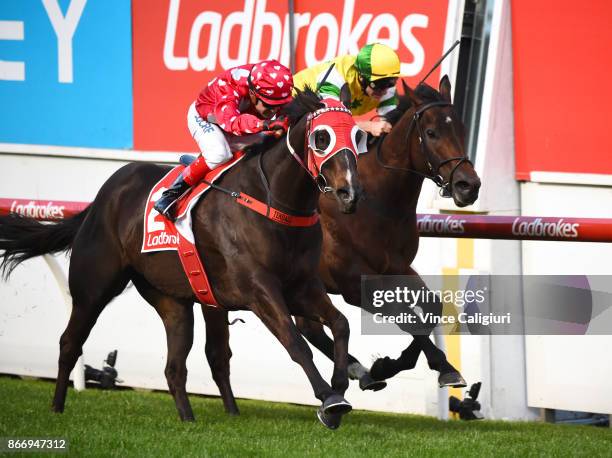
(196, 273)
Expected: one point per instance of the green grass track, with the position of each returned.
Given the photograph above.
(134, 423)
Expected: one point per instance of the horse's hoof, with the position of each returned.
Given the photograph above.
(232, 409)
(453, 379)
(366, 382)
(330, 421)
(336, 405)
(380, 370)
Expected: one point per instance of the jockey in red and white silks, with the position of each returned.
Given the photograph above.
(240, 101)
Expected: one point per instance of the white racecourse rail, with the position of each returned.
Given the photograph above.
(465, 226)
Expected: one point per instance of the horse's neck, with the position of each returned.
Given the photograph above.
(292, 189)
(398, 190)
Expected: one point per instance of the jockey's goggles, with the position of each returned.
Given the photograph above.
(382, 84)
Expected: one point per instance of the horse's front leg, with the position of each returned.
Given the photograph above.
(313, 304)
(315, 334)
(269, 305)
(384, 368)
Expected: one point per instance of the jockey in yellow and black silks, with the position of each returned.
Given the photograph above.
(367, 80)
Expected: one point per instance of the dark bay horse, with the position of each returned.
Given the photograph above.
(253, 263)
(381, 238)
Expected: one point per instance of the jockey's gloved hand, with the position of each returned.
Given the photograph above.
(277, 133)
(280, 123)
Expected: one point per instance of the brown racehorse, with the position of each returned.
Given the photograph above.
(427, 141)
(253, 263)
(381, 238)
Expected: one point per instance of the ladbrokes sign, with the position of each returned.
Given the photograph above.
(324, 35)
(179, 45)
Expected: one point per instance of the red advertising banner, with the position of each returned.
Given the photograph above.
(42, 210)
(414, 28)
(561, 86)
(180, 45)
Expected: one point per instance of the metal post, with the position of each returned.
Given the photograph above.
(292, 37)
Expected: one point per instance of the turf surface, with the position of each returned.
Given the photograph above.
(132, 423)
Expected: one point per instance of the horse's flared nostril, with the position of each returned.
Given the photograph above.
(347, 199)
(467, 189)
(345, 195)
(462, 186)
(465, 192)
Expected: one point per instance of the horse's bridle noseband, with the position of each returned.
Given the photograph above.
(445, 186)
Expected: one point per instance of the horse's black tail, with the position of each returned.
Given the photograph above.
(23, 238)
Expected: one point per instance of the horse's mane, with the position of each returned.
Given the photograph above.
(305, 101)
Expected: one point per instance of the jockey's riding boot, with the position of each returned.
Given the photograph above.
(167, 203)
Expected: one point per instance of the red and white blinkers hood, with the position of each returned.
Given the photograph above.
(338, 121)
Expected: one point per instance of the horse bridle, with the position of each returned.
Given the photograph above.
(430, 159)
(319, 179)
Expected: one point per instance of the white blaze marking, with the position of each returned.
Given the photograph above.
(349, 175)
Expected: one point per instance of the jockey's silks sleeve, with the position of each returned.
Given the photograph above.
(221, 101)
(344, 72)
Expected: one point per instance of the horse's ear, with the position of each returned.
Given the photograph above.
(345, 96)
(410, 94)
(445, 88)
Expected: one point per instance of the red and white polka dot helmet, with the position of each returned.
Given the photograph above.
(272, 82)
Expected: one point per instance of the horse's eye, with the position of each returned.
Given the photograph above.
(322, 139)
(430, 133)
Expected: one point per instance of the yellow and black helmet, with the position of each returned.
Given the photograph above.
(376, 61)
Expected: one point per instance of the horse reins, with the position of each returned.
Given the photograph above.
(266, 183)
(430, 159)
(266, 209)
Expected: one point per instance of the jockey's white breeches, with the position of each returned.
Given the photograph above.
(209, 137)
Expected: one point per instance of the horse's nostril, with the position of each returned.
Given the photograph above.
(344, 194)
(462, 186)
